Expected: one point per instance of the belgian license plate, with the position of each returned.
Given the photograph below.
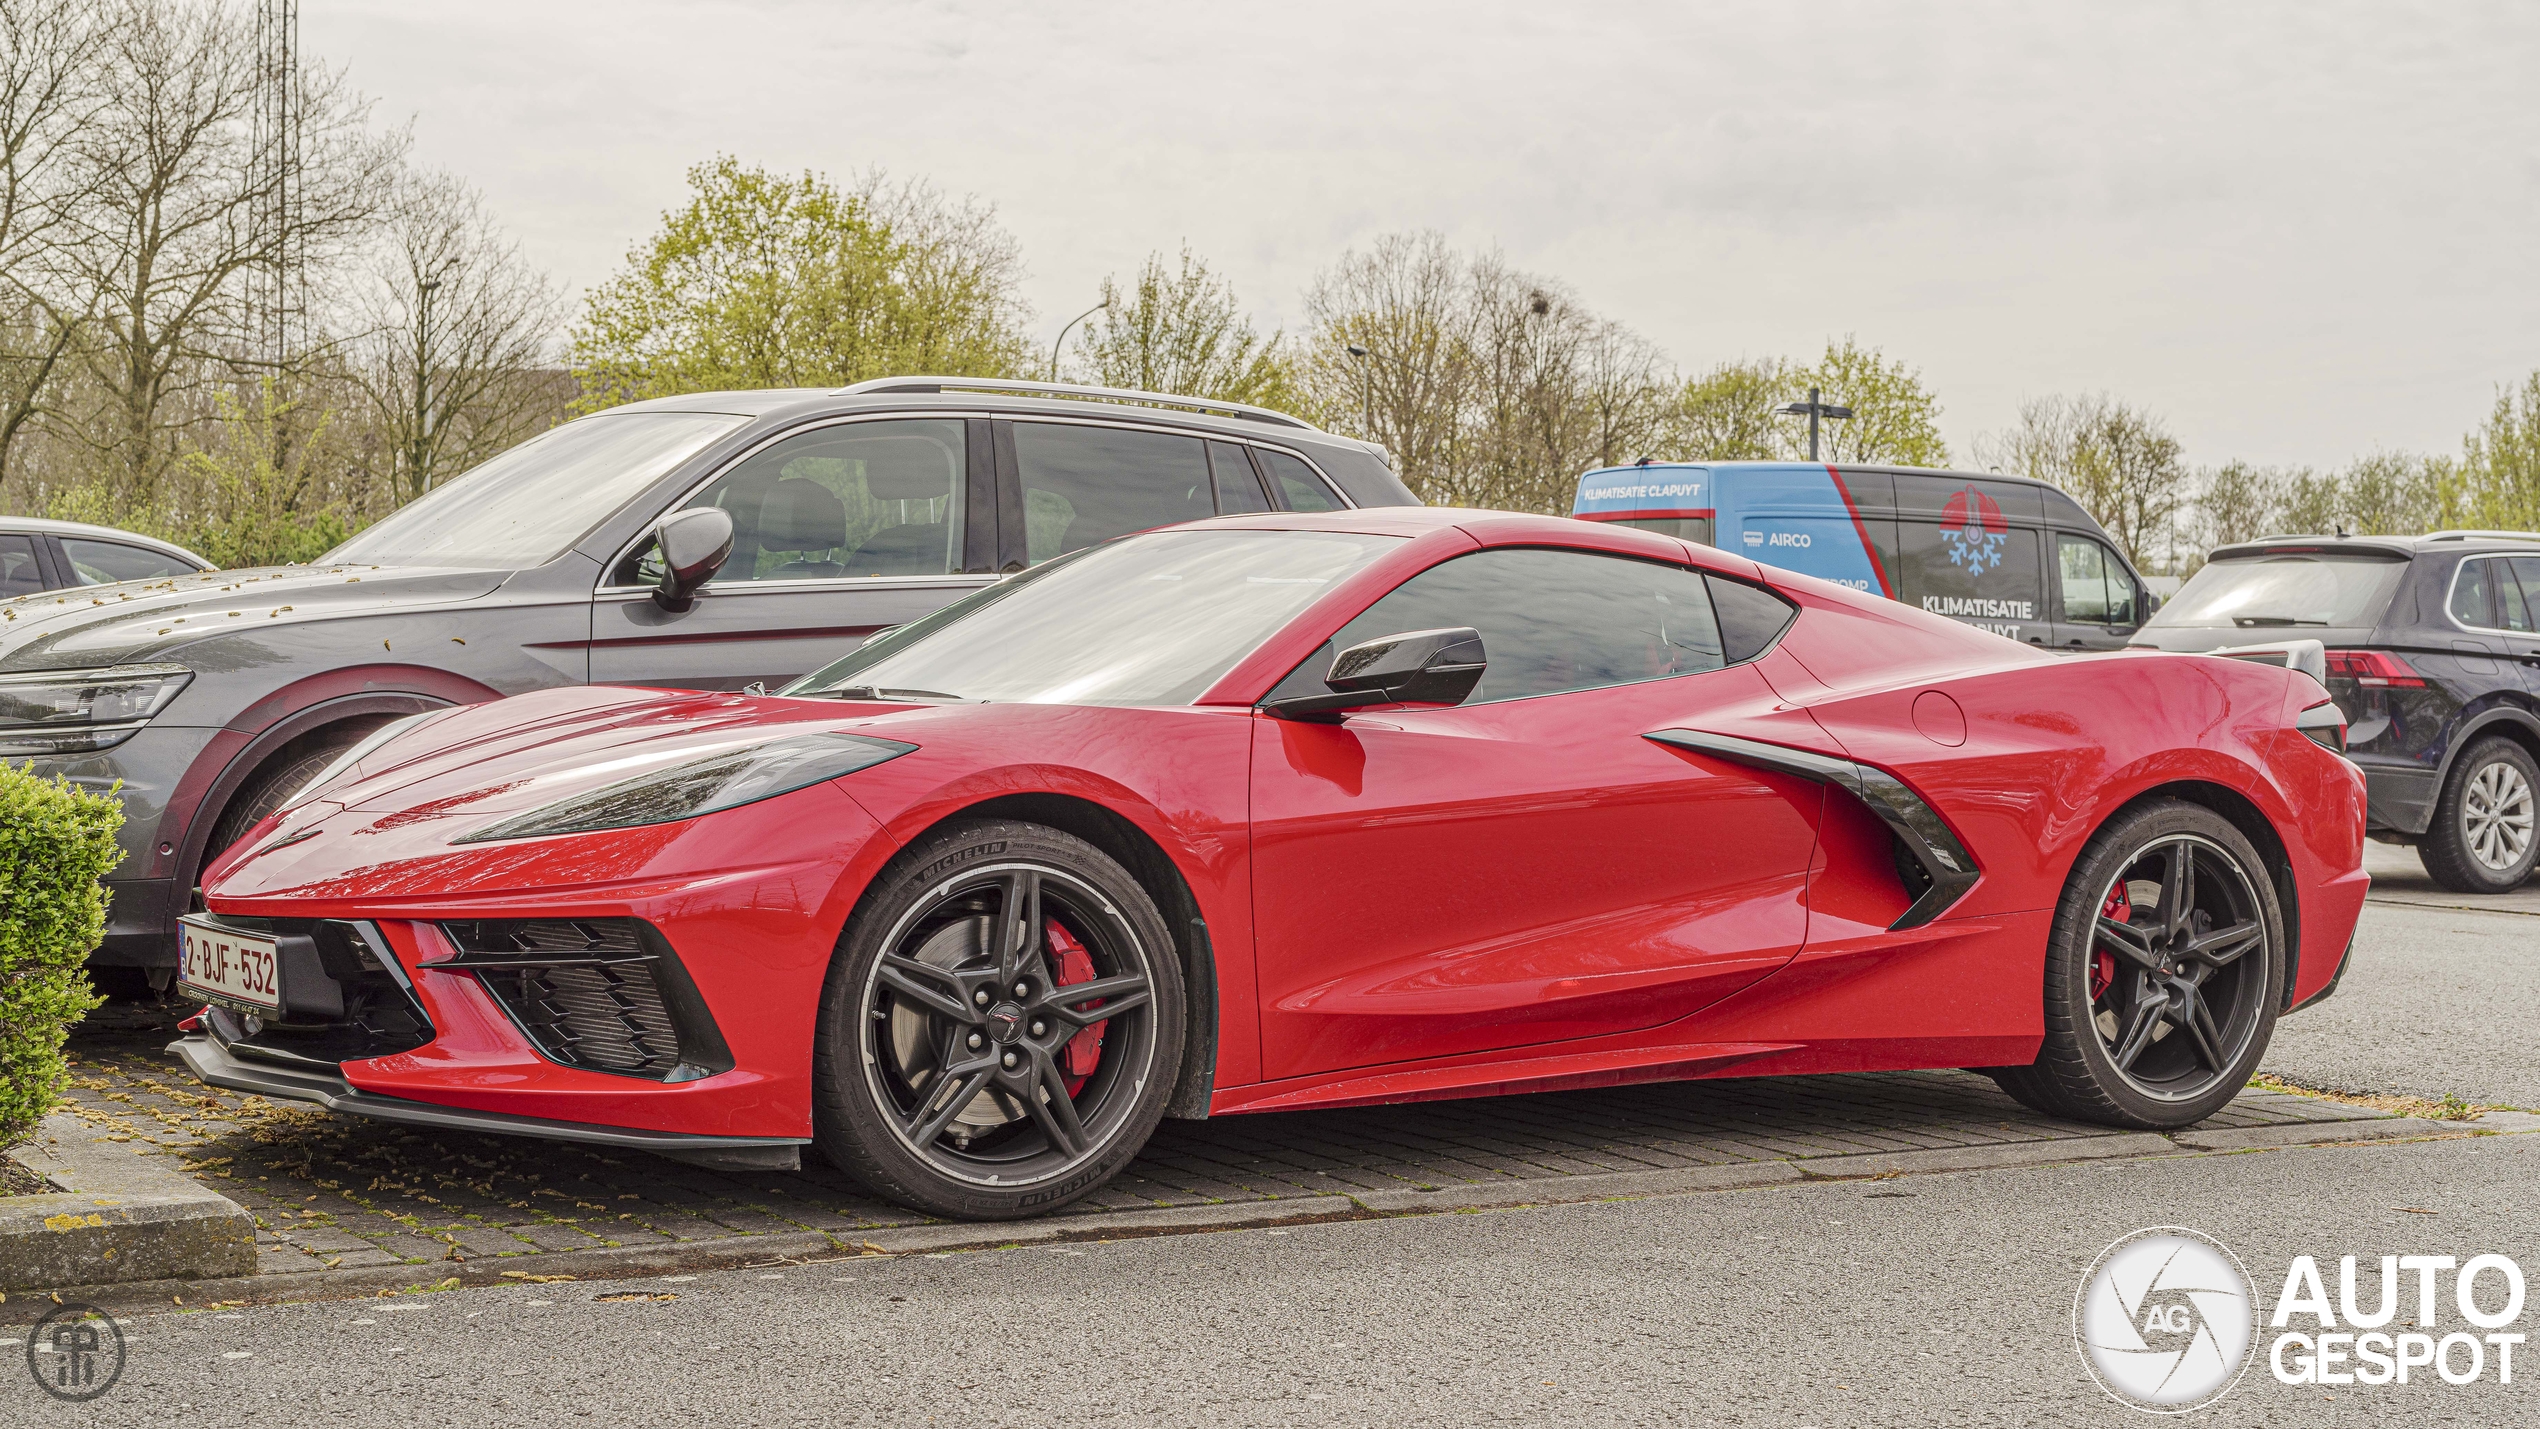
(228, 965)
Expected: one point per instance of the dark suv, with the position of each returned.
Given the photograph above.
(2433, 657)
(798, 523)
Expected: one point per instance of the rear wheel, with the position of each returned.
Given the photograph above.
(1001, 1026)
(2480, 840)
(2162, 974)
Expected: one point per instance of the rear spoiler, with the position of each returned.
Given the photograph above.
(2308, 656)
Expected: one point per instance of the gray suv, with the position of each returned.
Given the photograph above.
(798, 523)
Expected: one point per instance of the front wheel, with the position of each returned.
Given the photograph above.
(2162, 974)
(2480, 840)
(1001, 1026)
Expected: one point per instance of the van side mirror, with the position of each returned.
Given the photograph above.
(2151, 605)
(694, 545)
(1418, 667)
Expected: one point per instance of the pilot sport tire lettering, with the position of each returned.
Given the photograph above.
(1001, 1026)
(2163, 971)
(2481, 838)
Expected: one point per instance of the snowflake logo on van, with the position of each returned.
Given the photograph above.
(1974, 529)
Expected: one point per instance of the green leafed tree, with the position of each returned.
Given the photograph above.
(1895, 418)
(765, 280)
(1727, 413)
(1181, 330)
(2499, 477)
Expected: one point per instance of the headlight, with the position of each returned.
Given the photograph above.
(723, 780)
(75, 711)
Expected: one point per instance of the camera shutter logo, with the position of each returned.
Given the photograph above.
(75, 1352)
(2165, 1320)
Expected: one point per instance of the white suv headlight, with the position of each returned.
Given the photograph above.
(76, 711)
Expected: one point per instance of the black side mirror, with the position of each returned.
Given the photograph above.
(1419, 667)
(693, 545)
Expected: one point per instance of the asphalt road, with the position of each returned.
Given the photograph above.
(2436, 1000)
(1934, 1300)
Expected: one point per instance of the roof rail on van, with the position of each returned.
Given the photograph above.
(1127, 396)
(2482, 536)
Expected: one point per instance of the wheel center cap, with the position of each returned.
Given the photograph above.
(1005, 1023)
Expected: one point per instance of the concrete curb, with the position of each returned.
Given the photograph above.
(2321, 1133)
(795, 1247)
(1596, 1186)
(2505, 1121)
(114, 1212)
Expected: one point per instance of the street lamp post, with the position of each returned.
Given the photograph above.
(419, 456)
(1062, 334)
(1367, 382)
(1815, 410)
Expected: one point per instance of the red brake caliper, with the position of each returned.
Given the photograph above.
(2103, 964)
(1075, 965)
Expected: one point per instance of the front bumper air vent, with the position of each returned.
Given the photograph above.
(602, 994)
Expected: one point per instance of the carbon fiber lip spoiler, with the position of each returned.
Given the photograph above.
(216, 1066)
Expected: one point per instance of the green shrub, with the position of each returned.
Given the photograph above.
(56, 841)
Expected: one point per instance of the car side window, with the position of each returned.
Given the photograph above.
(1238, 490)
(2521, 614)
(2091, 582)
(106, 562)
(1300, 489)
(853, 500)
(19, 574)
(1083, 485)
(2473, 602)
(1550, 621)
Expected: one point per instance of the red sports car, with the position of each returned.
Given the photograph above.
(1288, 811)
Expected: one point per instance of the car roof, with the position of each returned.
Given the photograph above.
(2384, 547)
(43, 526)
(1882, 467)
(985, 395)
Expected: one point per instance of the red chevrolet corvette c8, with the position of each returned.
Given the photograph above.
(1288, 811)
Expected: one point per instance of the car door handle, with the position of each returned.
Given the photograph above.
(1920, 831)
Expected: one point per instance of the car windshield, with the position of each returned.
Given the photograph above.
(530, 504)
(1149, 620)
(2272, 592)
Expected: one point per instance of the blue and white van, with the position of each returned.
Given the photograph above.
(2004, 553)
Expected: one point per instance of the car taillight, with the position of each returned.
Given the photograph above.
(2374, 670)
(2324, 724)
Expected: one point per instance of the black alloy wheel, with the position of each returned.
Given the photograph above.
(2480, 838)
(2162, 976)
(1002, 1026)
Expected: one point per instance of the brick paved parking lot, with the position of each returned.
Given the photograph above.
(332, 1192)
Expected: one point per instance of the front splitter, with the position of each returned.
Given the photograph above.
(217, 1066)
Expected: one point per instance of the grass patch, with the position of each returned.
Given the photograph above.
(2449, 1108)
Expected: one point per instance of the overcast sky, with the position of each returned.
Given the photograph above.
(2301, 232)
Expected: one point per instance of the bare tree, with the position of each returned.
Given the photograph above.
(1491, 386)
(2118, 461)
(1402, 305)
(453, 362)
(170, 227)
(48, 93)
